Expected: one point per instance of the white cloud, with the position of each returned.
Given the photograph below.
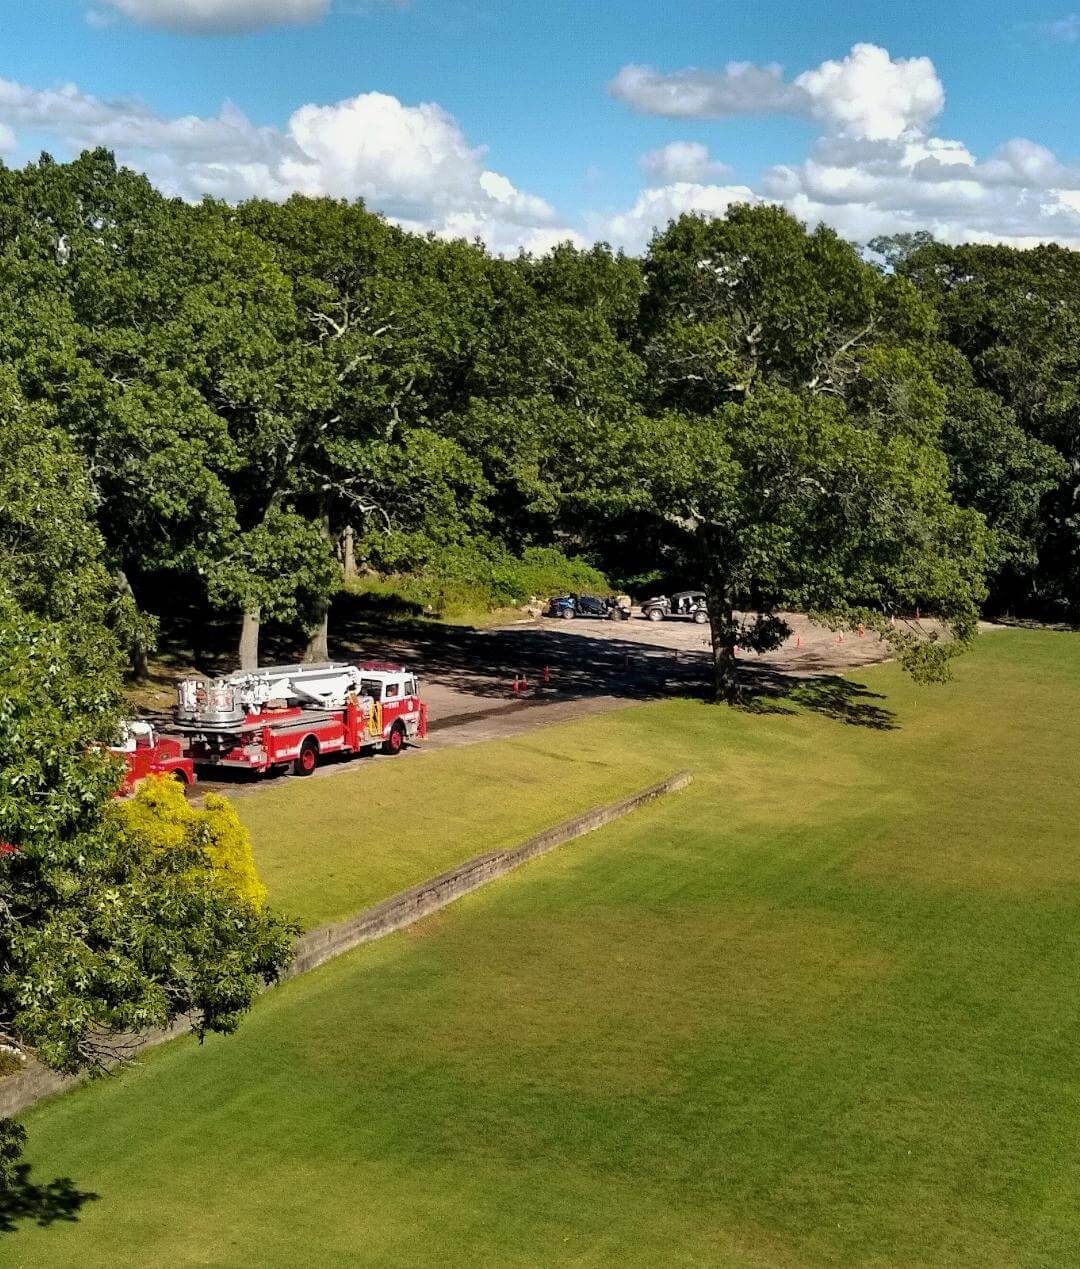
(739, 89)
(411, 162)
(633, 228)
(869, 94)
(876, 167)
(219, 17)
(866, 94)
(681, 161)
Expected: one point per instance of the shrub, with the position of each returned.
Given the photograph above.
(160, 816)
(483, 576)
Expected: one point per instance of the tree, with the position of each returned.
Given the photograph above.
(788, 502)
(277, 570)
(1015, 317)
(101, 933)
(792, 450)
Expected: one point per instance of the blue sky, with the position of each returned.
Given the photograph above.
(879, 142)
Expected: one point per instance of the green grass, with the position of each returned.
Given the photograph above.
(328, 847)
(817, 1010)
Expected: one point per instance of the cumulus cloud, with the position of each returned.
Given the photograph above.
(218, 17)
(654, 208)
(867, 94)
(413, 163)
(681, 161)
(877, 165)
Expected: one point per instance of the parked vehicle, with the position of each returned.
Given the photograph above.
(290, 716)
(621, 609)
(570, 606)
(684, 603)
(147, 753)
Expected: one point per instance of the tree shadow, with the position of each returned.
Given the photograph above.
(771, 692)
(24, 1200)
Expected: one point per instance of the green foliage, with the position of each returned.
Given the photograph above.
(160, 817)
(794, 455)
(482, 575)
(100, 933)
(1014, 433)
(280, 567)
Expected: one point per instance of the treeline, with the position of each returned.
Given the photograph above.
(267, 394)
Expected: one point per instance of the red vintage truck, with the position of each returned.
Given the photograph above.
(145, 752)
(291, 716)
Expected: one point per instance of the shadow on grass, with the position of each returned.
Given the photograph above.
(25, 1201)
(829, 695)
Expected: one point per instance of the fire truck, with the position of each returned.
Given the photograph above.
(146, 753)
(290, 716)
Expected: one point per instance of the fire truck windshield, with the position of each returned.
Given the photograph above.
(372, 688)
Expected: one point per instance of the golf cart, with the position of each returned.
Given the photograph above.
(684, 603)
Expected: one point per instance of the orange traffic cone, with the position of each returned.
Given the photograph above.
(517, 686)
(547, 675)
(798, 641)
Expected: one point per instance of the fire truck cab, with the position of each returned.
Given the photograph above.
(146, 753)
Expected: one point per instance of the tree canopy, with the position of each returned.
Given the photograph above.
(248, 385)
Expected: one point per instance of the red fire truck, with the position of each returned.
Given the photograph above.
(147, 753)
(290, 716)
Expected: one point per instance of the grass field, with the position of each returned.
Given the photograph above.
(819, 1009)
(329, 847)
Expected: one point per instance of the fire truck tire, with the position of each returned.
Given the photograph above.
(567, 614)
(395, 742)
(700, 616)
(307, 759)
(655, 614)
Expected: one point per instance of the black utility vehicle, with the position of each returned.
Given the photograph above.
(685, 603)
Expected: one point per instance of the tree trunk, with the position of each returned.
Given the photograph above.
(720, 603)
(140, 669)
(317, 648)
(348, 551)
(249, 639)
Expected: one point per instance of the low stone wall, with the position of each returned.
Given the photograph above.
(316, 947)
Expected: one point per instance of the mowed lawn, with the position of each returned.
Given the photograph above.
(819, 1009)
(327, 847)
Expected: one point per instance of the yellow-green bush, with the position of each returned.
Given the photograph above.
(160, 817)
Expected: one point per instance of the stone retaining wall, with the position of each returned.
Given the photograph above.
(316, 947)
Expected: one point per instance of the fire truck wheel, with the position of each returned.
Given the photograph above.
(655, 614)
(700, 617)
(395, 742)
(307, 759)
